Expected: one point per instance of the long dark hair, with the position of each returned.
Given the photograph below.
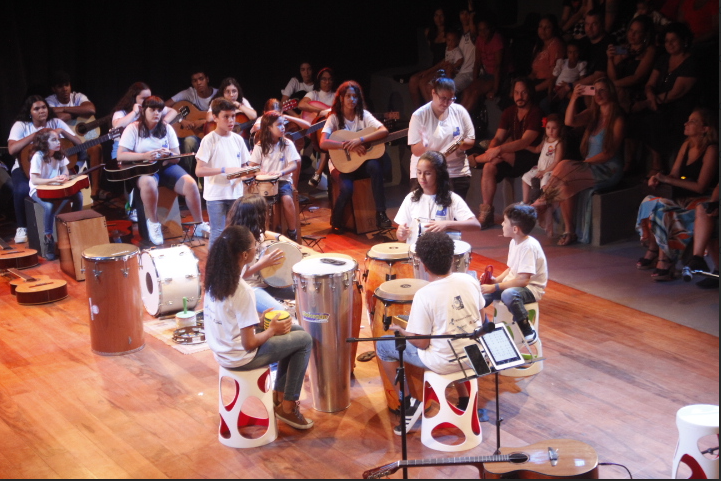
(595, 123)
(128, 100)
(222, 270)
(144, 131)
(40, 144)
(316, 84)
(337, 107)
(266, 136)
(224, 84)
(25, 111)
(433, 28)
(443, 180)
(250, 211)
(556, 32)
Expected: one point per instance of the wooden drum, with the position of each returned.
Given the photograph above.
(394, 298)
(385, 262)
(116, 305)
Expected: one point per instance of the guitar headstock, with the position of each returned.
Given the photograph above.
(377, 473)
(289, 104)
(115, 133)
(183, 112)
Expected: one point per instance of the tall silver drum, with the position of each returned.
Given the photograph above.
(324, 293)
(461, 260)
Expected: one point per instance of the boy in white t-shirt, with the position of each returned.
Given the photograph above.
(527, 275)
(221, 152)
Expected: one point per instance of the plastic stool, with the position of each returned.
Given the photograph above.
(695, 422)
(502, 314)
(449, 415)
(248, 384)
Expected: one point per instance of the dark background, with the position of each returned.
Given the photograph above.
(106, 46)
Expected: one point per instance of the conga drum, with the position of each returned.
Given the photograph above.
(324, 291)
(394, 298)
(112, 281)
(385, 262)
(461, 259)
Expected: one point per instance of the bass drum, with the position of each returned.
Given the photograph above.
(461, 260)
(168, 275)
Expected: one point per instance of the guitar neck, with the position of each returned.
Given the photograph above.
(390, 138)
(95, 123)
(20, 275)
(302, 133)
(498, 458)
(4, 245)
(90, 143)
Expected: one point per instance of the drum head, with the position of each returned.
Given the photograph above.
(325, 265)
(266, 178)
(389, 251)
(318, 255)
(282, 274)
(399, 289)
(149, 284)
(460, 247)
(166, 276)
(110, 252)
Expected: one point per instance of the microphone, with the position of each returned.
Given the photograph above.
(687, 274)
(486, 328)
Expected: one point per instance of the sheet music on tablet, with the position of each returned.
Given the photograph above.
(501, 350)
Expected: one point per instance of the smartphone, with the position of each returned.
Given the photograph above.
(621, 50)
(478, 362)
(588, 90)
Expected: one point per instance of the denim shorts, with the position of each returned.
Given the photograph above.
(285, 188)
(169, 175)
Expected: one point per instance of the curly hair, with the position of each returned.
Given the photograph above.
(24, 114)
(40, 144)
(522, 216)
(128, 100)
(337, 107)
(265, 136)
(222, 271)
(250, 211)
(152, 102)
(436, 249)
(443, 181)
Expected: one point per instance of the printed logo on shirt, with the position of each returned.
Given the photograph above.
(458, 303)
(442, 212)
(456, 131)
(550, 151)
(237, 156)
(165, 144)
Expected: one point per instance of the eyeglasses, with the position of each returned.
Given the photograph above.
(326, 79)
(446, 100)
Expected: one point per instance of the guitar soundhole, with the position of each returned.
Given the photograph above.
(149, 282)
(518, 458)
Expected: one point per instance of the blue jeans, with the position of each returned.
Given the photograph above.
(514, 298)
(386, 351)
(21, 189)
(53, 208)
(373, 168)
(217, 212)
(266, 298)
(292, 352)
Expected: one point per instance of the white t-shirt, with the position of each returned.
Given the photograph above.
(426, 209)
(528, 258)
(437, 134)
(277, 159)
(295, 85)
(548, 154)
(450, 305)
(468, 48)
(76, 98)
(132, 141)
(355, 125)
(191, 95)
(566, 73)
(222, 151)
(320, 96)
(20, 130)
(453, 56)
(223, 322)
(47, 170)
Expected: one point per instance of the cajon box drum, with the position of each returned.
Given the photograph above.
(76, 232)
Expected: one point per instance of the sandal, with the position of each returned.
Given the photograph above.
(567, 238)
(366, 356)
(663, 275)
(645, 263)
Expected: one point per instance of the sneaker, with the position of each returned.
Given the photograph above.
(155, 232)
(202, 230)
(294, 418)
(49, 248)
(485, 216)
(133, 215)
(21, 235)
(529, 333)
(292, 235)
(382, 220)
(314, 181)
(413, 412)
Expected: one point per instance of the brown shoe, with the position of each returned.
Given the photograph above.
(277, 398)
(485, 217)
(294, 418)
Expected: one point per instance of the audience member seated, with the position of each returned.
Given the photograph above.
(594, 46)
(549, 49)
(566, 72)
(467, 44)
(667, 225)
(670, 96)
(487, 67)
(603, 165)
(520, 127)
(648, 8)
(572, 17)
(420, 83)
(705, 237)
(436, 36)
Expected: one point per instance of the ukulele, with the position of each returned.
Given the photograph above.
(118, 171)
(37, 289)
(555, 458)
(346, 161)
(193, 114)
(243, 124)
(17, 257)
(60, 190)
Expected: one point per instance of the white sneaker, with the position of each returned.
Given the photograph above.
(202, 230)
(21, 235)
(155, 232)
(133, 215)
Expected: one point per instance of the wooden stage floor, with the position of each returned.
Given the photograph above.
(614, 378)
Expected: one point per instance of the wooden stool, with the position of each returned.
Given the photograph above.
(248, 385)
(76, 232)
(694, 422)
(359, 214)
(449, 415)
(36, 225)
(502, 314)
(277, 221)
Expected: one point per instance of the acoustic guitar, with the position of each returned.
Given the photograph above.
(191, 113)
(89, 128)
(32, 290)
(347, 162)
(61, 190)
(312, 117)
(243, 124)
(118, 171)
(17, 278)
(555, 458)
(17, 257)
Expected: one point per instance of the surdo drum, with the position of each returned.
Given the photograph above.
(168, 275)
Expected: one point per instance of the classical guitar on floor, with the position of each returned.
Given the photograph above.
(31, 290)
(17, 257)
